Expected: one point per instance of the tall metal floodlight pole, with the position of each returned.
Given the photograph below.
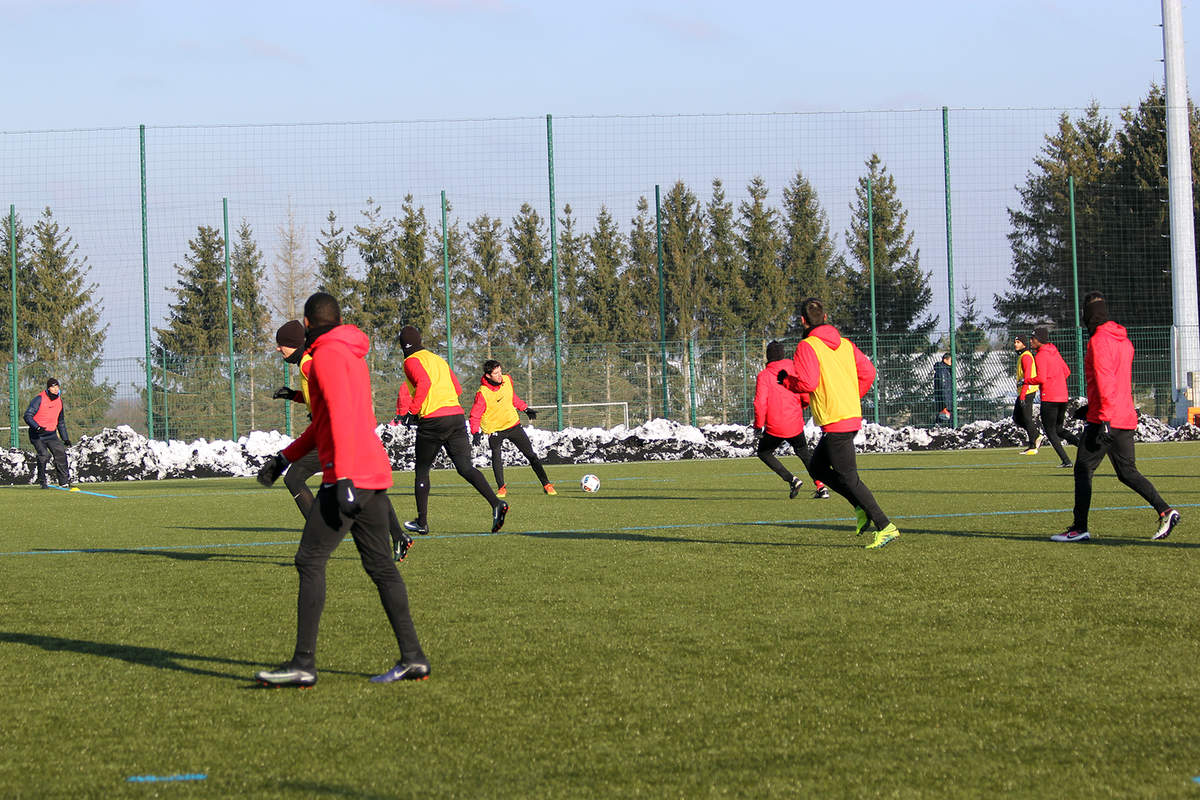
(1185, 337)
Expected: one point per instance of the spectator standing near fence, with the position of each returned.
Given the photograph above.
(943, 382)
(1111, 420)
(1023, 407)
(836, 376)
(47, 420)
(1050, 377)
(779, 418)
(494, 412)
(352, 498)
(429, 400)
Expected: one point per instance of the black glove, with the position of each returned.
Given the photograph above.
(758, 431)
(66, 441)
(36, 430)
(347, 498)
(409, 420)
(529, 412)
(283, 393)
(1105, 435)
(476, 439)
(781, 377)
(270, 471)
(1081, 412)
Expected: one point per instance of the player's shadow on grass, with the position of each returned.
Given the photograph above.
(1097, 540)
(294, 530)
(649, 538)
(180, 555)
(154, 657)
(311, 789)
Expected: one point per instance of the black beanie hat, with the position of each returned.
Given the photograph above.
(410, 340)
(1020, 337)
(52, 382)
(290, 334)
(1042, 333)
(1095, 310)
(776, 352)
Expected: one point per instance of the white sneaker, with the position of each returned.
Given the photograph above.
(1166, 523)
(1071, 535)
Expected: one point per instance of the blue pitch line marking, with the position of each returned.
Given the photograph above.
(197, 776)
(732, 524)
(84, 491)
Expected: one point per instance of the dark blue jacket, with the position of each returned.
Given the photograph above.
(37, 432)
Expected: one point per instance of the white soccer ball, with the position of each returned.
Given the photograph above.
(589, 483)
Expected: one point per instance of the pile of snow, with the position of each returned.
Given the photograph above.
(123, 454)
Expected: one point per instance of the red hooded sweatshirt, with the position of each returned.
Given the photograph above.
(1108, 373)
(1052, 374)
(778, 410)
(343, 421)
(807, 376)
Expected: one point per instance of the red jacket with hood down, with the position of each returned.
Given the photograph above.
(778, 410)
(1052, 374)
(1108, 373)
(343, 421)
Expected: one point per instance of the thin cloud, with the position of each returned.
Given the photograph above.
(687, 28)
(271, 51)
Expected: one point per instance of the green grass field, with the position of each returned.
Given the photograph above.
(686, 632)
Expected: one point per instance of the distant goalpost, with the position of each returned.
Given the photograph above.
(624, 406)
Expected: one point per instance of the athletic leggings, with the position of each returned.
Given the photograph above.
(324, 530)
(516, 434)
(296, 481)
(1120, 453)
(1023, 416)
(1053, 415)
(834, 463)
(768, 444)
(450, 433)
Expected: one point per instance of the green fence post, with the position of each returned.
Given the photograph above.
(446, 281)
(950, 270)
(229, 322)
(871, 265)
(166, 406)
(12, 290)
(745, 378)
(1075, 283)
(554, 271)
(662, 302)
(146, 291)
(287, 404)
(691, 346)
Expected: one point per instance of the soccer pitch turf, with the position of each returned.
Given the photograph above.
(688, 631)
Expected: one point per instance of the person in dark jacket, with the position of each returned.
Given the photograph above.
(1051, 379)
(779, 418)
(352, 499)
(47, 421)
(1111, 420)
(943, 382)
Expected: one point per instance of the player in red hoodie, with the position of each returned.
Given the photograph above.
(1111, 421)
(352, 498)
(836, 375)
(779, 418)
(1051, 374)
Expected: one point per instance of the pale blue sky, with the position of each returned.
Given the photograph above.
(95, 63)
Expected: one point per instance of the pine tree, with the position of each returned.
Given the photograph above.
(250, 315)
(600, 302)
(570, 268)
(530, 301)
(808, 257)
(639, 281)
(333, 277)
(292, 278)
(684, 264)
(761, 244)
(455, 257)
(60, 332)
(972, 348)
(902, 293)
(375, 240)
(730, 300)
(196, 322)
(487, 277)
(414, 272)
(1041, 283)
(20, 234)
